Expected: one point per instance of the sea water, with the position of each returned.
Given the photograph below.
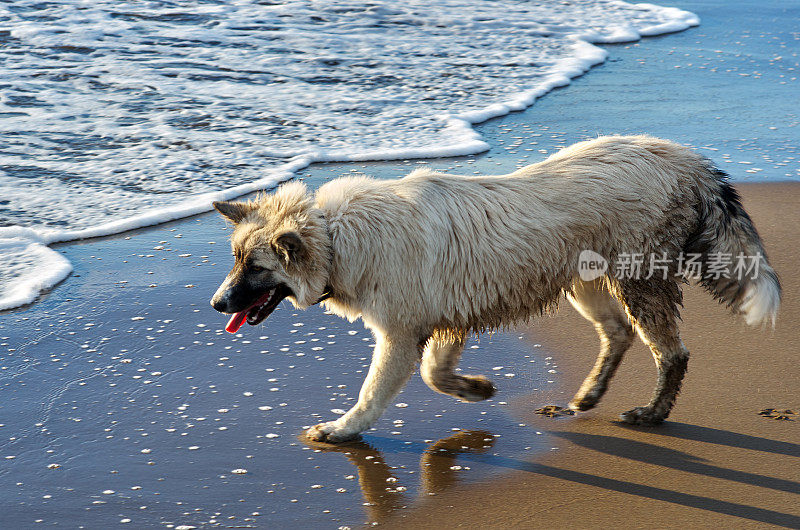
(116, 115)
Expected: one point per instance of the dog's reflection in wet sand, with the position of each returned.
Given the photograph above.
(383, 492)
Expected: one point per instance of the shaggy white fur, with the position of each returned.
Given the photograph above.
(429, 258)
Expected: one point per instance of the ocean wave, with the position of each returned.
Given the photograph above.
(117, 115)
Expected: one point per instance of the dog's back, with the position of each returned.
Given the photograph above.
(468, 253)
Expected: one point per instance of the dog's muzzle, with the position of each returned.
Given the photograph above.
(254, 312)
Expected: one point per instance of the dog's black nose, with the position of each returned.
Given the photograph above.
(220, 305)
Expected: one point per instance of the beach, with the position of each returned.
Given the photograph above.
(124, 402)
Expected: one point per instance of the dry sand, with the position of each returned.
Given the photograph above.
(715, 463)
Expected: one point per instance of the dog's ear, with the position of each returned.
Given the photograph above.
(233, 211)
(289, 246)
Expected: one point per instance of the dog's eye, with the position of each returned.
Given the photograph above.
(256, 268)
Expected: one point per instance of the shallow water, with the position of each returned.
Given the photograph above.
(126, 402)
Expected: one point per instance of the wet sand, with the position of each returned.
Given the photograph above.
(715, 463)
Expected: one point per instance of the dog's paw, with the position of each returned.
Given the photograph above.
(641, 416)
(474, 388)
(330, 433)
(584, 403)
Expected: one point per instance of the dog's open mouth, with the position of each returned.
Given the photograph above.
(259, 310)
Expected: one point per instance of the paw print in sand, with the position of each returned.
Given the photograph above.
(554, 411)
(775, 414)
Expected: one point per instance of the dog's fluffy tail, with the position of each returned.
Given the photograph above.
(735, 269)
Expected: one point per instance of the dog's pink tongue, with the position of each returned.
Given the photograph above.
(236, 321)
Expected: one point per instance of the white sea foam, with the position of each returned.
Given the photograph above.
(26, 269)
(122, 114)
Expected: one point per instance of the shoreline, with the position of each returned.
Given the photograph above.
(587, 53)
(609, 115)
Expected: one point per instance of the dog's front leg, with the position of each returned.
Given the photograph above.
(393, 363)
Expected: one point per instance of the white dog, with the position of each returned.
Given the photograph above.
(428, 259)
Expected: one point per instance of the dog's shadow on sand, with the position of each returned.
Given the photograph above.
(666, 457)
(649, 453)
(438, 473)
(710, 435)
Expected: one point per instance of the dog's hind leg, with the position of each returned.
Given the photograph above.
(439, 362)
(393, 362)
(653, 307)
(593, 301)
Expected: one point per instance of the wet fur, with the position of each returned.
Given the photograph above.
(430, 258)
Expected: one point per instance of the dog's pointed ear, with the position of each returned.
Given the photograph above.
(289, 246)
(233, 211)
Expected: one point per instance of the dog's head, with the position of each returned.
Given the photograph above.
(281, 250)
